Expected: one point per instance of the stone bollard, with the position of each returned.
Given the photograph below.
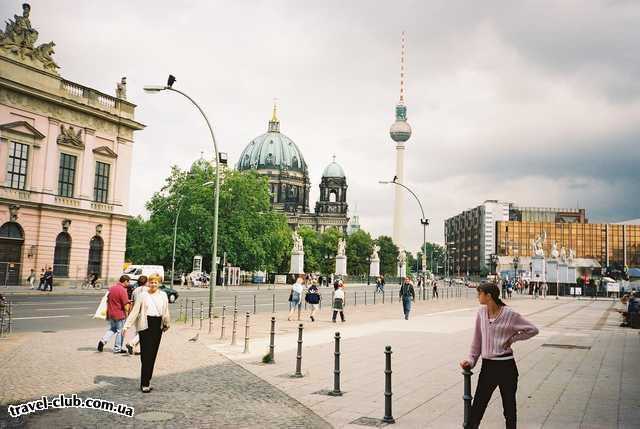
(336, 368)
(201, 315)
(224, 308)
(388, 417)
(272, 337)
(246, 334)
(298, 373)
(193, 304)
(235, 327)
(467, 397)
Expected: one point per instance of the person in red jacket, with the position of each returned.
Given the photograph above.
(117, 310)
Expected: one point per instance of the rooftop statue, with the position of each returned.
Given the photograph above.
(554, 250)
(402, 257)
(563, 254)
(537, 245)
(19, 38)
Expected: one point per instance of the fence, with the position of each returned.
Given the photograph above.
(5, 318)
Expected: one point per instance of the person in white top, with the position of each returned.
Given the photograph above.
(295, 295)
(142, 287)
(338, 301)
(150, 314)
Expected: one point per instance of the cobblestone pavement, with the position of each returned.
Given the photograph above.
(193, 386)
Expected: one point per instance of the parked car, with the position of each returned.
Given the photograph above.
(172, 294)
(135, 271)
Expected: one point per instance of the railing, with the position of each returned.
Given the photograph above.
(16, 194)
(90, 96)
(67, 201)
(74, 89)
(102, 207)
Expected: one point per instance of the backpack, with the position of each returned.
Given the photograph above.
(312, 297)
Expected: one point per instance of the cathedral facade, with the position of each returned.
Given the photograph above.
(277, 157)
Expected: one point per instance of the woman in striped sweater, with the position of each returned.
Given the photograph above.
(497, 327)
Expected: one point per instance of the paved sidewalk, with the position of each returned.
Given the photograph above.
(581, 371)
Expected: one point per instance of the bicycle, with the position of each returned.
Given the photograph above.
(87, 285)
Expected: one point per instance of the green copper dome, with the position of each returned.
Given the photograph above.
(333, 170)
(272, 150)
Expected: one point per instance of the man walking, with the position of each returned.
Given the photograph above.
(434, 291)
(407, 295)
(117, 309)
(32, 278)
(48, 279)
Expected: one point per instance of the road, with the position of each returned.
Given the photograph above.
(66, 312)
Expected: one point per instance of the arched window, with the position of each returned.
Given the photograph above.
(95, 256)
(11, 243)
(61, 255)
(333, 196)
(294, 162)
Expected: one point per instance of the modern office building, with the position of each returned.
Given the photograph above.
(65, 162)
(505, 229)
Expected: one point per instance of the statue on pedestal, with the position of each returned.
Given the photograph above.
(537, 245)
(563, 254)
(298, 244)
(554, 250)
(342, 244)
(374, 255)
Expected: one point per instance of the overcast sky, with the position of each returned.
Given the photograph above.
(527, 101)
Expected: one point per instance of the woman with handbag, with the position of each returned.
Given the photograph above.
(150, 314)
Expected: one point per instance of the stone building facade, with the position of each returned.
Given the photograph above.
(65, 163)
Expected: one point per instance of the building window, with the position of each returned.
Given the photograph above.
(17, 169)
(95, 256)
(101, 186)
(67, 175)
(61, 255)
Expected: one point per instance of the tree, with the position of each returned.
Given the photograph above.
(312, 249)
(359, 248)
(411, 262)
(388, 255)
(328, 248)
(251, 234)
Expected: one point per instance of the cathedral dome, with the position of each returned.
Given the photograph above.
(272, 150)
(333, 170)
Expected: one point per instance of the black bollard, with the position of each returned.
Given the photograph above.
(201, 315)
(467, 397)
(193, 304)
(272, 337)
(298, 373)
(180, 314)
(383, 294)
(336, 369)
(224, 308)
(210, 320)
(355, 298)
(388, 417)
(273, 304)
(254, 304)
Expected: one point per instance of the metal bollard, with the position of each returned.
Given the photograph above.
(388, 417)
(336, 368)
(272, 337)
(298, 373)
(235, 302)
(224, 308)
(180, 314)
(467, 397)
(201, 314)
(235, 326)
(383, 294)
(392, 293)
(193, 303)
(246, 334)
(273, 304)
(254, 304)
(210, 321)
(299, 310)
(186, 311)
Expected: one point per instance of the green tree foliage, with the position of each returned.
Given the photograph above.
(312, 249)
(388, 255)
(250, 232)
(359, 248)
(411, 262)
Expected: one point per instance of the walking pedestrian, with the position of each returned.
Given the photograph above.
(32, 278)
(48, 279)
(497, 328)
(338, 301)
(434, 291)
(295, 295)
(382, 283)
(41, 284)
(150, 315)
(407, 295)
(378, 285)
(117, 309)
(313, 299)
(135, 296)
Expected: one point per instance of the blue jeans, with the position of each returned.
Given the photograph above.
(406, 305)
(115, 327)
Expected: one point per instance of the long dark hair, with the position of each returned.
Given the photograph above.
(491, 289)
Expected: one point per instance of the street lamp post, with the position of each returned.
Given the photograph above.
(424, 221)
(214, 258)
(175, 234)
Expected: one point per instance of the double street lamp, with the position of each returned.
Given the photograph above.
(424, 221)
(214, 258)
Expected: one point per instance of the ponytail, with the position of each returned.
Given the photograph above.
(493, 290)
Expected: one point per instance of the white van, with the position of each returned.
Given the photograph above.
(135, 271)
